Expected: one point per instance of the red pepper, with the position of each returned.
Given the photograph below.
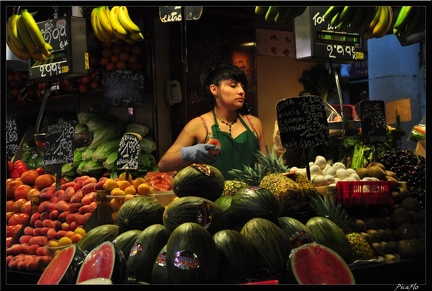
(20, 166)
(11, 166)
(40, 171)
(14, 174)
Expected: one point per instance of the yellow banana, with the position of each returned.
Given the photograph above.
(104, 35)
(105, 21)
(374, 21)
(31, 47)
(12, 31)
(137, 36)
(33, 29)
(260, 10)
(118, 29)
(93, 21)
(21, 54)
(379, 29)
(126, 21)
(271, 13)
(331, 12)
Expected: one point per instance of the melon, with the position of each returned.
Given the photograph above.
(159, 274)
(199, 180)
(126, 240)
(233, 248)
(144, 252)
(297, 232)
(252, 202)
(194, 209)
(104, 261)
(64, 267)
(139, 213)
(191, 255)
(271, 242)
(317, 264)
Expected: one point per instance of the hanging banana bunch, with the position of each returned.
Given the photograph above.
(410, 20)
(374, 21)
(25, 39)
(114, 24)
(279, 14)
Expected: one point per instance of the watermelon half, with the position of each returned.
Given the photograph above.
(104, 261)
(317, 264)
(63, 268)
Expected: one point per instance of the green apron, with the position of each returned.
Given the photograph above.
(235, 152)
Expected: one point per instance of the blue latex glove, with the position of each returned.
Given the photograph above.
(199, 153)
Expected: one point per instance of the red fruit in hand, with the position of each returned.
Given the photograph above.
(215, 142)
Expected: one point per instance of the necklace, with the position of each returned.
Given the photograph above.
(227, 123)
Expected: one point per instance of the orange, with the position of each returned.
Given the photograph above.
(123, 184)
(76, 238)
(69, 233)
(144, 189)
(130, 190)
(138, 181)
(110, 184)
(81, 231)
(114, 215)
(115, 204)
(65, 241)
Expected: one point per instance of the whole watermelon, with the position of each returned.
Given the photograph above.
(200, 180)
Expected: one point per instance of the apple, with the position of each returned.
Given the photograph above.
(215, 142)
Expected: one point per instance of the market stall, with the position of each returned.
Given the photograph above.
(85, 182)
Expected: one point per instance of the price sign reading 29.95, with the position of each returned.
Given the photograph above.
(60, 143)
(128, 151)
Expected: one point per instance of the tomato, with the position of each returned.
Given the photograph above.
(40, 171)
(18, 218)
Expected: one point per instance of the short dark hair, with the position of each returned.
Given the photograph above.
(221, 72)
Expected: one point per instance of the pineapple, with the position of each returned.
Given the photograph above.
(231, 187)
(270, 172)
(334, 211)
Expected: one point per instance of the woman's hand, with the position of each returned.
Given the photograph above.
(199, 153)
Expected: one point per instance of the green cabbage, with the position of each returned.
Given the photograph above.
(102, 134)
(137, 128)
(81, 128)
(105, 149)
(110, 162)
(148, 145)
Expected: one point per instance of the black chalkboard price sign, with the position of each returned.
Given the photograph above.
(12, 135)
(69, 57)
(128, 151)
(124, 88)
(373, 121)
(302, 121)
(59, 143)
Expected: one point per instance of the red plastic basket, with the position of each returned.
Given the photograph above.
(350, 193)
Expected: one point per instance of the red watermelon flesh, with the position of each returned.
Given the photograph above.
(315, 264)
(104, 261)
(63, 268)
